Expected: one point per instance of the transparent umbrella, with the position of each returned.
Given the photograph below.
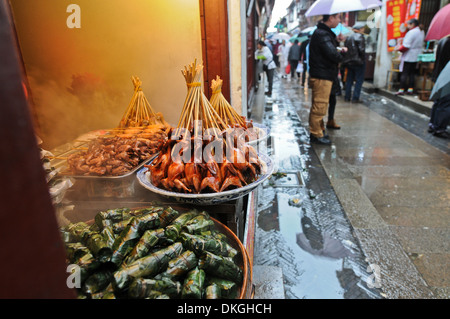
(281, 36)
(321, 7)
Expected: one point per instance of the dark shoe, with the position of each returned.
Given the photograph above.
(319, 140)
(347, 100)
(268, 94)
(356, 101)
(442, 134)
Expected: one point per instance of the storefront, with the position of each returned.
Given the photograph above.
(391, 30)
(69, 74)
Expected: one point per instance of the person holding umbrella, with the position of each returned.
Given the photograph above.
(324, 59)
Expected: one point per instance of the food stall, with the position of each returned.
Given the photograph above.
(103, 143)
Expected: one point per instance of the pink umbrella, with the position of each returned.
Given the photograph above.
(440, 25)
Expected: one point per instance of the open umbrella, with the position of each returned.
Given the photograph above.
(341, 29)
(300, 39)
(308, 30)
(439, 26)
(442, 86)
(338, 30)
(321, 7)
(281, 36)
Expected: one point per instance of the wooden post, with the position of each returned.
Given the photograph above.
(33, 256)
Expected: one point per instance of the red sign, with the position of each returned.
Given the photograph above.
(395, 18)
(413, 10)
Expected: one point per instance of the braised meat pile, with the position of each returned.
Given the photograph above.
(114, 155)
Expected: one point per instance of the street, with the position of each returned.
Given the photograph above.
(365, 218)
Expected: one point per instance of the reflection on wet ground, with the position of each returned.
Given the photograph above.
(301, 226)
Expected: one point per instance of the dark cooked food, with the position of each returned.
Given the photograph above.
(114, 155)
(153, 257)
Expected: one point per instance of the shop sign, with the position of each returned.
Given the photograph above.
(413, 10)
(395, 18)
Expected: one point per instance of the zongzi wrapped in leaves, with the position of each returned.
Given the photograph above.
(111, 216)
(108, 235)
(147, 266)
(200, 244)
(77, 231)
(87, 265)
(222, 267)
(147, 221)
(198, 224)
(75, 251)
(97, 282)
(228, 288)
(97, 244)
(174, 229)
(193, 284)
(180, 265)
(125, 242)
(167, 216)
(212, 292)
(151, 238)
(143, 288)
(128, 238)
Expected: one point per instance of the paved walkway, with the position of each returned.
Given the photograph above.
(368, 217)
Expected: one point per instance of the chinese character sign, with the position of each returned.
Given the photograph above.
(413, 10)
(395, 18)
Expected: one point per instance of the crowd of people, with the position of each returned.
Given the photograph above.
(327, 65)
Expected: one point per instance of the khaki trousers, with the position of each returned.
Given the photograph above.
(321, 90)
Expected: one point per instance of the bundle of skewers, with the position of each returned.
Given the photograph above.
(229, 115)
(201, 155)
(226, 112)
(139, 111)
(139, 136)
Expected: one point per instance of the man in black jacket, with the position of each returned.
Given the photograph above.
(324, 58)
(355, 62)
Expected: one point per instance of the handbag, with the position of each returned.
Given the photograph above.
(288, 69)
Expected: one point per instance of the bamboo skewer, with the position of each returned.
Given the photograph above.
(196, 106)
(222, 106)
(139, 112)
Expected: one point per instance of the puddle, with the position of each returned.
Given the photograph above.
(299, 228)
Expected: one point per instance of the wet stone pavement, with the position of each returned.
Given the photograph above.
(325, 223)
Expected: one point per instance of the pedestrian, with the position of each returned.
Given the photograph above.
(410, 49)
(275, 49)
(439, 118)
(283, 52)
(331, 123)
(355, 62)
(303, 58)
(324, 59)
(264, 54)
(294, 57)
